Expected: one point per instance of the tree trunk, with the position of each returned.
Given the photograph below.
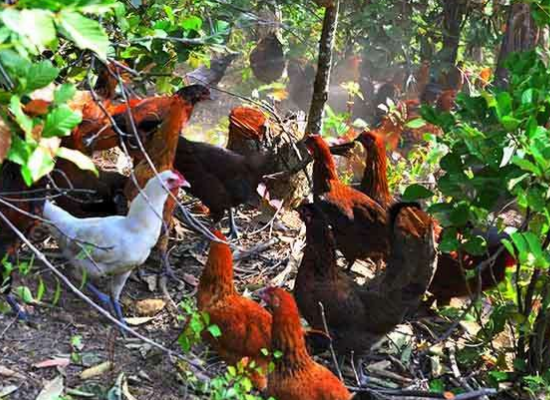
(322, 79)
(521, 35)
(454, 14)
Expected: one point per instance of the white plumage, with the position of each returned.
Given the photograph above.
(116, 244)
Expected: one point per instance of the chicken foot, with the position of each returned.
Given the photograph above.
(104, 299)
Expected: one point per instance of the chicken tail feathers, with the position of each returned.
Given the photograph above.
(395, 209)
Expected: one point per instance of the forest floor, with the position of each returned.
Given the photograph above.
(72, 341)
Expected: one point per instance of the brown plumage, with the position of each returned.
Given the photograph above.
(220, 178)
(449, 279)
(245, 325)
(247, 127)
(375, 182)
(267, 60)
(358, 316)
(12, 182)
(359, 222)
(162, 147)
(296, 375)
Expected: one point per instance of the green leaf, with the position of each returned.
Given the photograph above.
(415, 123)
(526, 165)
(416, 192)
(81, 160)
(12, 19)
(41, 289)
(64, 93)
(38, 26)
(40, 75)
(24, 122)
(84, 32)
(192, 23)
(214, 331)
(40, 163)
(61, 121)
(25, 294)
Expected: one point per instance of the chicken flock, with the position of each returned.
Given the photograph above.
(112, 223)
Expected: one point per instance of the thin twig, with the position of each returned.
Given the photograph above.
(331, 347)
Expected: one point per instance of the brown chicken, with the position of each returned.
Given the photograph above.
(267, 59)
(359, 222)
(247, 127)
(358, 316)
(301, 76)
(220, 178)
(449, 280)
(176, 111)
(27, 201)
(296, 375)
(245, 325)
(375, 182)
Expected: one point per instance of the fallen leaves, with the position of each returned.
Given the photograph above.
(96, 370)
(5, 140)
(52, 389)
(149, 307)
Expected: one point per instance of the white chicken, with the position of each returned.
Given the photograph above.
(111, 247)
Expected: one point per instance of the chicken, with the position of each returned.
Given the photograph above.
(296, 375)
(375, 182)
(359, 222)
(113, 246)
(301, 77)
(220, 178)
(449, 280)
(165, 116)
(358, 316)
(94, 196)
(211, 76)
(267, 59)
(387, 92)
(28, 200)
(247, 128)
(245, 325)
(149, 113)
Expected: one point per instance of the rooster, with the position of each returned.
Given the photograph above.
(359, 222)
(113, 246)
(359, 316)
(244, 324)
(247, 129)
(296, 375)
(14, 191)
(165, 116)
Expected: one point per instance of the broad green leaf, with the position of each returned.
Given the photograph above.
(38, 26)
(84, 32)
(64, 93)
(192, 23)
(25, 294)
(415, 123)
(24, 122)
(214, 331)
(81, 160)
(526, 165)
(61, 121)
(40, 75)
(12, 19)
(40, 163)
(510, 123)
(417, 192)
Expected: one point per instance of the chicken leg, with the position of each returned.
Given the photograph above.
(16, 308)
(233, 229)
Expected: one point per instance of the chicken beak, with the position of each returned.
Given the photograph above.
(184, 183)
